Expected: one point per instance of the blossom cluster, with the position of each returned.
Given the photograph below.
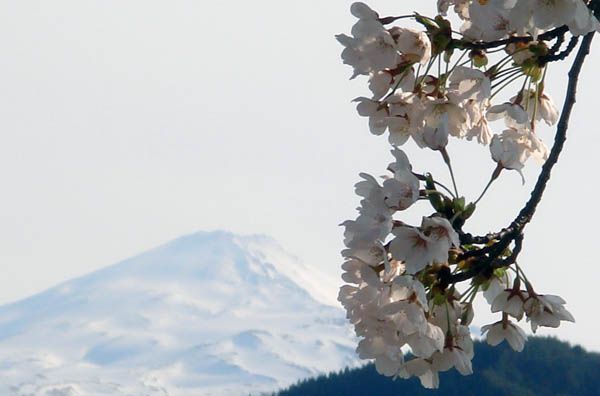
(496, 19)
(402, 281)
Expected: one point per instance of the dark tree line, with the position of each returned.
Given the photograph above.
(547, 367)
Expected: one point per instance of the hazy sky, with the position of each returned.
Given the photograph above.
(125, 123)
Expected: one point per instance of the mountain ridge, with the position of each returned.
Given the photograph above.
(208, 313)
(546, 367)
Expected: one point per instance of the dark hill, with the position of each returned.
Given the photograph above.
(547, 367)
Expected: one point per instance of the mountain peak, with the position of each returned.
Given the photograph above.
(207, 313)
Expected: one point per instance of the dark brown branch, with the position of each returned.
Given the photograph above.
(556, 47)
(554, 55)
(549, 35)
(469, 239)
(482, 45)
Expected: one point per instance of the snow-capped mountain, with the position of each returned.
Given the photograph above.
(206, 314)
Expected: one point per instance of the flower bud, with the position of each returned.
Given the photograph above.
(479, 58)
(435, 199)
(427, 22)
(458, 204)
(468, 212)
(448, 55)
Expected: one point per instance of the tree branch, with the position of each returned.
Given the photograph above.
(482, 45)
(554, 55)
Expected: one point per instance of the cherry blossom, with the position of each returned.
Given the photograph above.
(505, 330)
(414, 45)
(546, 311)
(405, 284)
(513, 114)
(510, 302)
(425, 245)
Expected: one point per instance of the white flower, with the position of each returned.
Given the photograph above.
(406, 112)
(513, 114)
(488, 19)
(513, 148)
(360, 232)
(435, 134)
(441, 231)
(399, 128)
(382, 81)
(375, 220)
(457, 354)
(346, 297)
(371, 347)
(467, 83)
(496, 286)
(419, 247)
(363, 11)
(368, 188)
(441, 119)
(500, 331)
(536, 16)
(401, 191)
(368, 24)
(373, 223)
(440, 112)
(481, 131)
(413, 247)
(388, 366)
(510, 302)
(546, 311)
(461, 7)
(371, 48)
(401, 163)
(357, 272)
(446, 316)
(414, 45)
(377, 113)
(372, 254)
(423, 369)
(379, 51)
(479, 126)
(453, 357)
(388, 311)
(545, 108)
(428, 342)
(408, 317)
(382, 344)
(583, 20)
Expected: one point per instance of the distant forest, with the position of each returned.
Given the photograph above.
(547, 367)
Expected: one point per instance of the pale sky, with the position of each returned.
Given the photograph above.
(125, 124)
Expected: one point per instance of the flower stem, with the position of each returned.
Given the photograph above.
(506, 85)
(447, 161)
(495, 175)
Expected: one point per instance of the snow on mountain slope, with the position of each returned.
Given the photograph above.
(207, 314)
